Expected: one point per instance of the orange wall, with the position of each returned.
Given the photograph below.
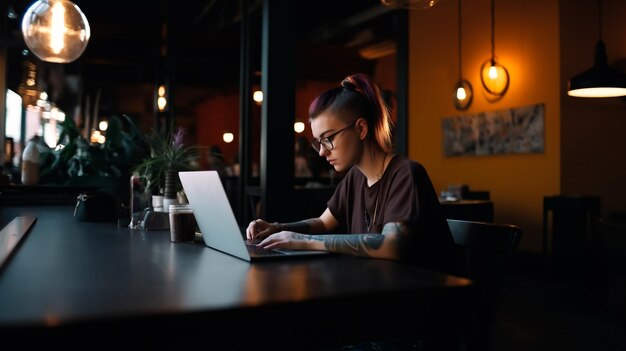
(219, 112)
(214, 116)
(305, 93)
(385, 75)
(527, 43)
(593, 142)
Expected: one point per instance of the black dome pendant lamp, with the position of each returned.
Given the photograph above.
(600, 80)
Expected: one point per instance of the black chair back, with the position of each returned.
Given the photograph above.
(487, 249)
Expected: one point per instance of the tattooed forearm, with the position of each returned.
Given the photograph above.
(387, 244)
(359, 244)
(307, 237)
(396, 227)
(300, 226)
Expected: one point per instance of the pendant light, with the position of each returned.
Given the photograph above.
(409, 4)
(55, 30)
(494, 76)
(463, 92)
(600, 80)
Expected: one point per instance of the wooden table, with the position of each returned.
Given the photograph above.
(72, 281)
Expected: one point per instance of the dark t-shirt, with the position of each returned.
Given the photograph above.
(404, 194)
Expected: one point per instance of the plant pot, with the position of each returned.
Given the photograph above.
(157, 203)
(170, 190)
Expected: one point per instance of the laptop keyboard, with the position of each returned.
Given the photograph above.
(259, 251)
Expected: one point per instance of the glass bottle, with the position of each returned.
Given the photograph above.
(30, 163)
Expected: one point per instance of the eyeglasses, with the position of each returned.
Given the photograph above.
(327, 142)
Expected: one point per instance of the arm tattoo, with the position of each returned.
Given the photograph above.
(299, 227)
(354, 244)
(397, 227)
(307, 237)
(363, 244)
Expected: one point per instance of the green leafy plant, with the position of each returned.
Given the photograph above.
(167, 153)
(75, 159)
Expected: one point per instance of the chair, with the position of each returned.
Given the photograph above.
(487, 249)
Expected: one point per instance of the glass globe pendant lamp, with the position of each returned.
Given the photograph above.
(494, 76)
(409, 4)
(463, 92)
(55, 30)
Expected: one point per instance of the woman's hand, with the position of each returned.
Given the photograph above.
(293, 241)
(259, 229)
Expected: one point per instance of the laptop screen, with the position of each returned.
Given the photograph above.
(216, 219)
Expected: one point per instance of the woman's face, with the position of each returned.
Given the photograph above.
(344, 136)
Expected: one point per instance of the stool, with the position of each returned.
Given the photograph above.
(574, 222)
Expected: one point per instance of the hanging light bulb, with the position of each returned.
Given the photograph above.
(460, 93)
(493, 75)
(55, 30)
(463, 93)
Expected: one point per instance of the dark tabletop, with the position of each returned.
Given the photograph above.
(69, 278)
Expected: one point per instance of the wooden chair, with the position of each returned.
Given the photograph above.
(487, 251)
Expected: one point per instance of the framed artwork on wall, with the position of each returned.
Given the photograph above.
(510, 131)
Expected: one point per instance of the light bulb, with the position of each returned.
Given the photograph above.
(494, 77)
(463, 94)
(493, 72)
(298, 127)
(410, 4)
(55, 30)
(103, 125)
(161, 103)
(460, 93)
(228, 137)
(57, 27)
(257, 96)
(95, 135)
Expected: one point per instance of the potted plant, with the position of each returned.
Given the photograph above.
(77, 162)
(158, 173)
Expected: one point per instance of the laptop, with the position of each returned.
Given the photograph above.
(217, 222)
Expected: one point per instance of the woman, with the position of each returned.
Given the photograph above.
(386, 202)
